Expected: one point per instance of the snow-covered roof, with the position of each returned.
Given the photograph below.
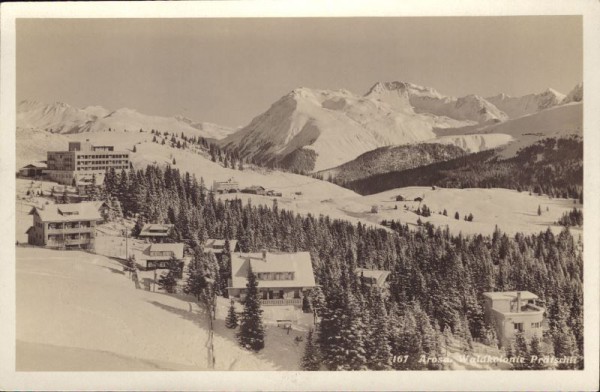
(69, 212)
(155, 230)
(216, 246)
(299, 263)
(509, 295)
(379, 275)
(37, 165)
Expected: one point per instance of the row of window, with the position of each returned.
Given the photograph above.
(275, 276)
(102, 167)
(115, 161)
(519, 326)
(103, 156)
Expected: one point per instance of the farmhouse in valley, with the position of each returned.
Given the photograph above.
(83, 162)
(217, 247)
(372, 277)
(283, 278)
(155, 232)
(513, 311)
(66, 226)
(157, 256)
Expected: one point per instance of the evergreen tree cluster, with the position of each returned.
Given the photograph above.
(436, 281)
(572, 218)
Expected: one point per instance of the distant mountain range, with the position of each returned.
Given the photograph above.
(62, 118)
(310, 130)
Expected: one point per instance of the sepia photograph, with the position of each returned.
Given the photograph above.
(301, 193)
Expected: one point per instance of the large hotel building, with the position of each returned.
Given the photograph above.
(84, 160)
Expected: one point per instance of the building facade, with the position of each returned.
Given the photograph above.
(514, 311)
(84, 161)
(158, 256)
(65, 226)
(228, 186)
(283, 278)
(35, 170)
(156, 232)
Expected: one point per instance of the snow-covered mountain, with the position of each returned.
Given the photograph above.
(312, 130)
(62, 118)
(428, 100)
(57, 117)
(575, 95)
(528, 104)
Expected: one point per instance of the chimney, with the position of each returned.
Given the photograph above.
(518, 301)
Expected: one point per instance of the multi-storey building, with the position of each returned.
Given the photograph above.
(514, 311)
(66, 226)
(83, 161)
(156, 232)
(283, 278)
(158, 255)
(228, 186)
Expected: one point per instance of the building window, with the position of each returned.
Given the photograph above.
(519, 327)
(536, 325)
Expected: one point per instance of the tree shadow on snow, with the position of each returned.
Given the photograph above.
(278, 343)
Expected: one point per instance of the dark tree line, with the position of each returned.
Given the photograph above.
(436, 278)
(572, 218)
(552, 166)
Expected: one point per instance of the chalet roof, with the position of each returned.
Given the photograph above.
(38, 165)
(215, 245)
(379, 275)
(69, 212)
(299, 263)
(155, 230)
(176, 248)
(510, 295)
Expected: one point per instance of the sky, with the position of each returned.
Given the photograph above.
(227, 71)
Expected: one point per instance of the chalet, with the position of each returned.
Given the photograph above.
(217, 247)
(229, 186)
(255, 190)
(283, 278)
(35, 169)
(155, 232)
(372, 277)
(513, 311)
(157, 256)
(66, 226)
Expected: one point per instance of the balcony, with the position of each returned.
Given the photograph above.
(281, 301)
(71, 230)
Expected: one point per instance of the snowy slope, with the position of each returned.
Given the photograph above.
(63, 118)
(78, 311)
(428, 100)
(528, 104)
(336, 125)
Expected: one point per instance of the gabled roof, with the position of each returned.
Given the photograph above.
(156, 230)
(176, 248)
(299, 263)
(510, 295)
(216, 246)
(379, 275)
(88, 210)
(37, 165)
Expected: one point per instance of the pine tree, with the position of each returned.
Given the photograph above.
(252, 334)
(311, 360)
(457, 216)
(134, 149)
(535, 353)
(539, 210)
(378, 350)
(168, 280)
(231, 321)
(521, 352)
